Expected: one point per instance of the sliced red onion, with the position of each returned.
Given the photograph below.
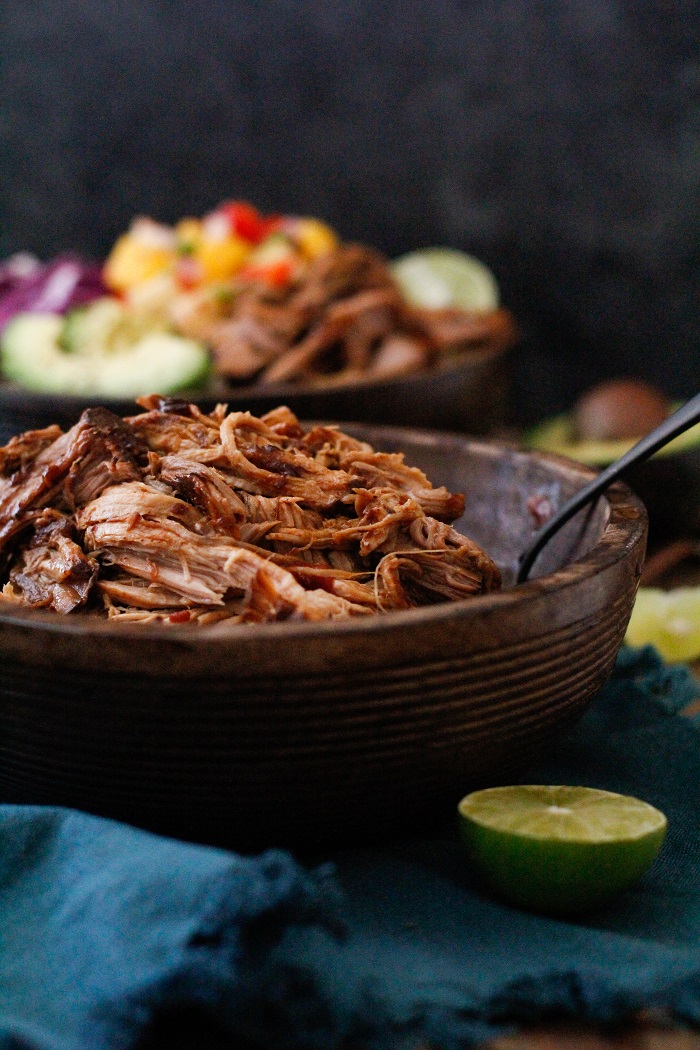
(26, 285)
(16, 269)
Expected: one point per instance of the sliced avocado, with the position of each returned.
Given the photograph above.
(160, 361)
(32, 356)
(667, 484)
(556, 434)
(91, 327)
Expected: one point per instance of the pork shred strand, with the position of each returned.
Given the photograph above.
(179, 516)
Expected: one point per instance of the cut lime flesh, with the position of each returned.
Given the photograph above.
(559, 850)
(668, 620)
(436, 278)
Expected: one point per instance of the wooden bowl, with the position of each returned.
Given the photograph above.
(307, 734)
(469, 393)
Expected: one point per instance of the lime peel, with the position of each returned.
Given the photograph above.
(559, 850)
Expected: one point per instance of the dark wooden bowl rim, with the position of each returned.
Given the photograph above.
(154, 645)
(14, 396)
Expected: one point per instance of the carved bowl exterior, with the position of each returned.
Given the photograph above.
(301, 734)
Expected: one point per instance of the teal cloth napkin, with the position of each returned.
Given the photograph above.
(104, 927)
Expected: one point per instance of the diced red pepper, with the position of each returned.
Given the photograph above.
(278, 274)
(179, 617)
(245, 220)
(271, 224)
(188, 272)
(540, 507)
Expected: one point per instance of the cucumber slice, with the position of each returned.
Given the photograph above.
(158, 362)
(435, 278)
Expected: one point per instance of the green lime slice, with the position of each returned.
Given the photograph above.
(443, 277)
(559, 850)
(668, 620)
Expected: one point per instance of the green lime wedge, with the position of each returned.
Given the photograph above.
(559, 850)
(668, 620)
(443, 277)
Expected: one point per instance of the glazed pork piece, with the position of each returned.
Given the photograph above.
(175, 515)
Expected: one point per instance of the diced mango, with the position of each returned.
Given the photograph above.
(221, 259)
(130, 262)
(314, 237)
(188, 233)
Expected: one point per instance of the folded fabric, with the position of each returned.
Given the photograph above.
(104, 927)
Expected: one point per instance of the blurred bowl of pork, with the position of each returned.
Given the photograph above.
(349, 337)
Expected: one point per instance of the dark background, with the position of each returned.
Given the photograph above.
(559, 141)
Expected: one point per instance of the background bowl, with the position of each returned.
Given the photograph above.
(303, 734)
(469, 393)
(669, 487)
(668, 484)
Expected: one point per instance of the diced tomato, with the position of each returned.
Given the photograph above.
(245, 220)
(179, 617)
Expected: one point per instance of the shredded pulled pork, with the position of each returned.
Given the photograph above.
(177, 516)
(341, 319)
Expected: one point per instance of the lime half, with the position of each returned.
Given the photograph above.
(442, 277)
(668, 620)
(559, 850)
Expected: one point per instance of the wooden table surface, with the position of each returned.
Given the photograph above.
(647, 1033)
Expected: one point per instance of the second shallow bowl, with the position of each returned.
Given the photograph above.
(469, 393)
